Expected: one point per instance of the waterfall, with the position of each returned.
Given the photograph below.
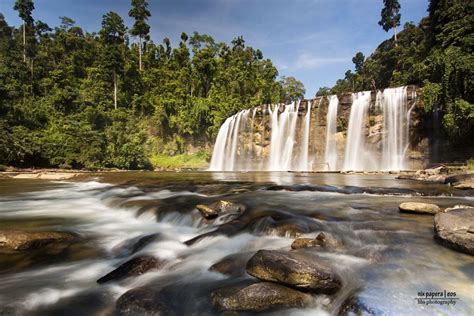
(281, 138)
(395, 126)
(356, 154)
(330, 153)
(304, 164)
(218, 154)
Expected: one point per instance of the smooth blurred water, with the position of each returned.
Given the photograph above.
(388, 256)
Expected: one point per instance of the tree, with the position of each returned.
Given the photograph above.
(113, 39)
(140, 13)
(358, 61)
(24, 8)
(390, 16)
(293, 89)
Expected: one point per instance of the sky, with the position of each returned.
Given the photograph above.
(312, 40)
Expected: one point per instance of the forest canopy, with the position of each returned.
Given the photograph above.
(114, 98)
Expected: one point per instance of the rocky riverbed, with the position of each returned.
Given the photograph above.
(218, 243)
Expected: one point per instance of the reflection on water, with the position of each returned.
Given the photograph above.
(386, 260)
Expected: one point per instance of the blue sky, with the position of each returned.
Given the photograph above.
(312, 40)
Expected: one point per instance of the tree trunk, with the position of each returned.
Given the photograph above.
(115, 90)
(395, 34)
(24, 42)
(140, 53)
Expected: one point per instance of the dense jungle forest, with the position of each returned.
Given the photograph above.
(116, 99)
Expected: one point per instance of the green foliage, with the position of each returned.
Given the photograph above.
(435, 54)
(83, 100)
(140, 13)
(390, 16)
(191, 161)
(431, 95)
(459, 119)
(292, 89)
(323, 91)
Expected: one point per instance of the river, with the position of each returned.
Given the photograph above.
(387, 258)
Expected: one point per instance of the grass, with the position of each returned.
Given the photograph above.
(182, 161)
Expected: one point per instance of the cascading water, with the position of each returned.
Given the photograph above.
(356, 154)
(330, 156)
(272, 138)
(304, 163)
(218, 155)
(396, 123)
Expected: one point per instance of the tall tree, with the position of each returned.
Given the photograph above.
(358, 61)
(24, 8)
(293, 89)
(390, 16)
(113, 38)
(140, 13)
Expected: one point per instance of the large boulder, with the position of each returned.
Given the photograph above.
(145, 301)
(25, 240)
(134, 267)
(419, 208)
(455, 229)
(294, 270)
(259, 297)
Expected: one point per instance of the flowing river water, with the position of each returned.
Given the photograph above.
(386, 259)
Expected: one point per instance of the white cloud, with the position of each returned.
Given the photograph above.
(308, 61)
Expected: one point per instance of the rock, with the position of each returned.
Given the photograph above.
(259, 297)
(455, 229)
(218, 208)
(134, 267)
(145, 301)
(322, 240)
(131, 246)
(233, 264)
(25, 240)
(459, 178)
(461, 181)
(292, 227)
(304, 243)
(455, 207)
(294, 270)
(418, 207)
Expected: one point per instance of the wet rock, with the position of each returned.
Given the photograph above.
(134, 267)
(459, 178)
(145, 301)
(322, 240)
(455, 207)
(131, 246)
(419, 208)
(25, 240)
(455, 229)
(218, 208)
(294, 270)
(259, 297)
(304, 243)
(233, 264)
(292, 227)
